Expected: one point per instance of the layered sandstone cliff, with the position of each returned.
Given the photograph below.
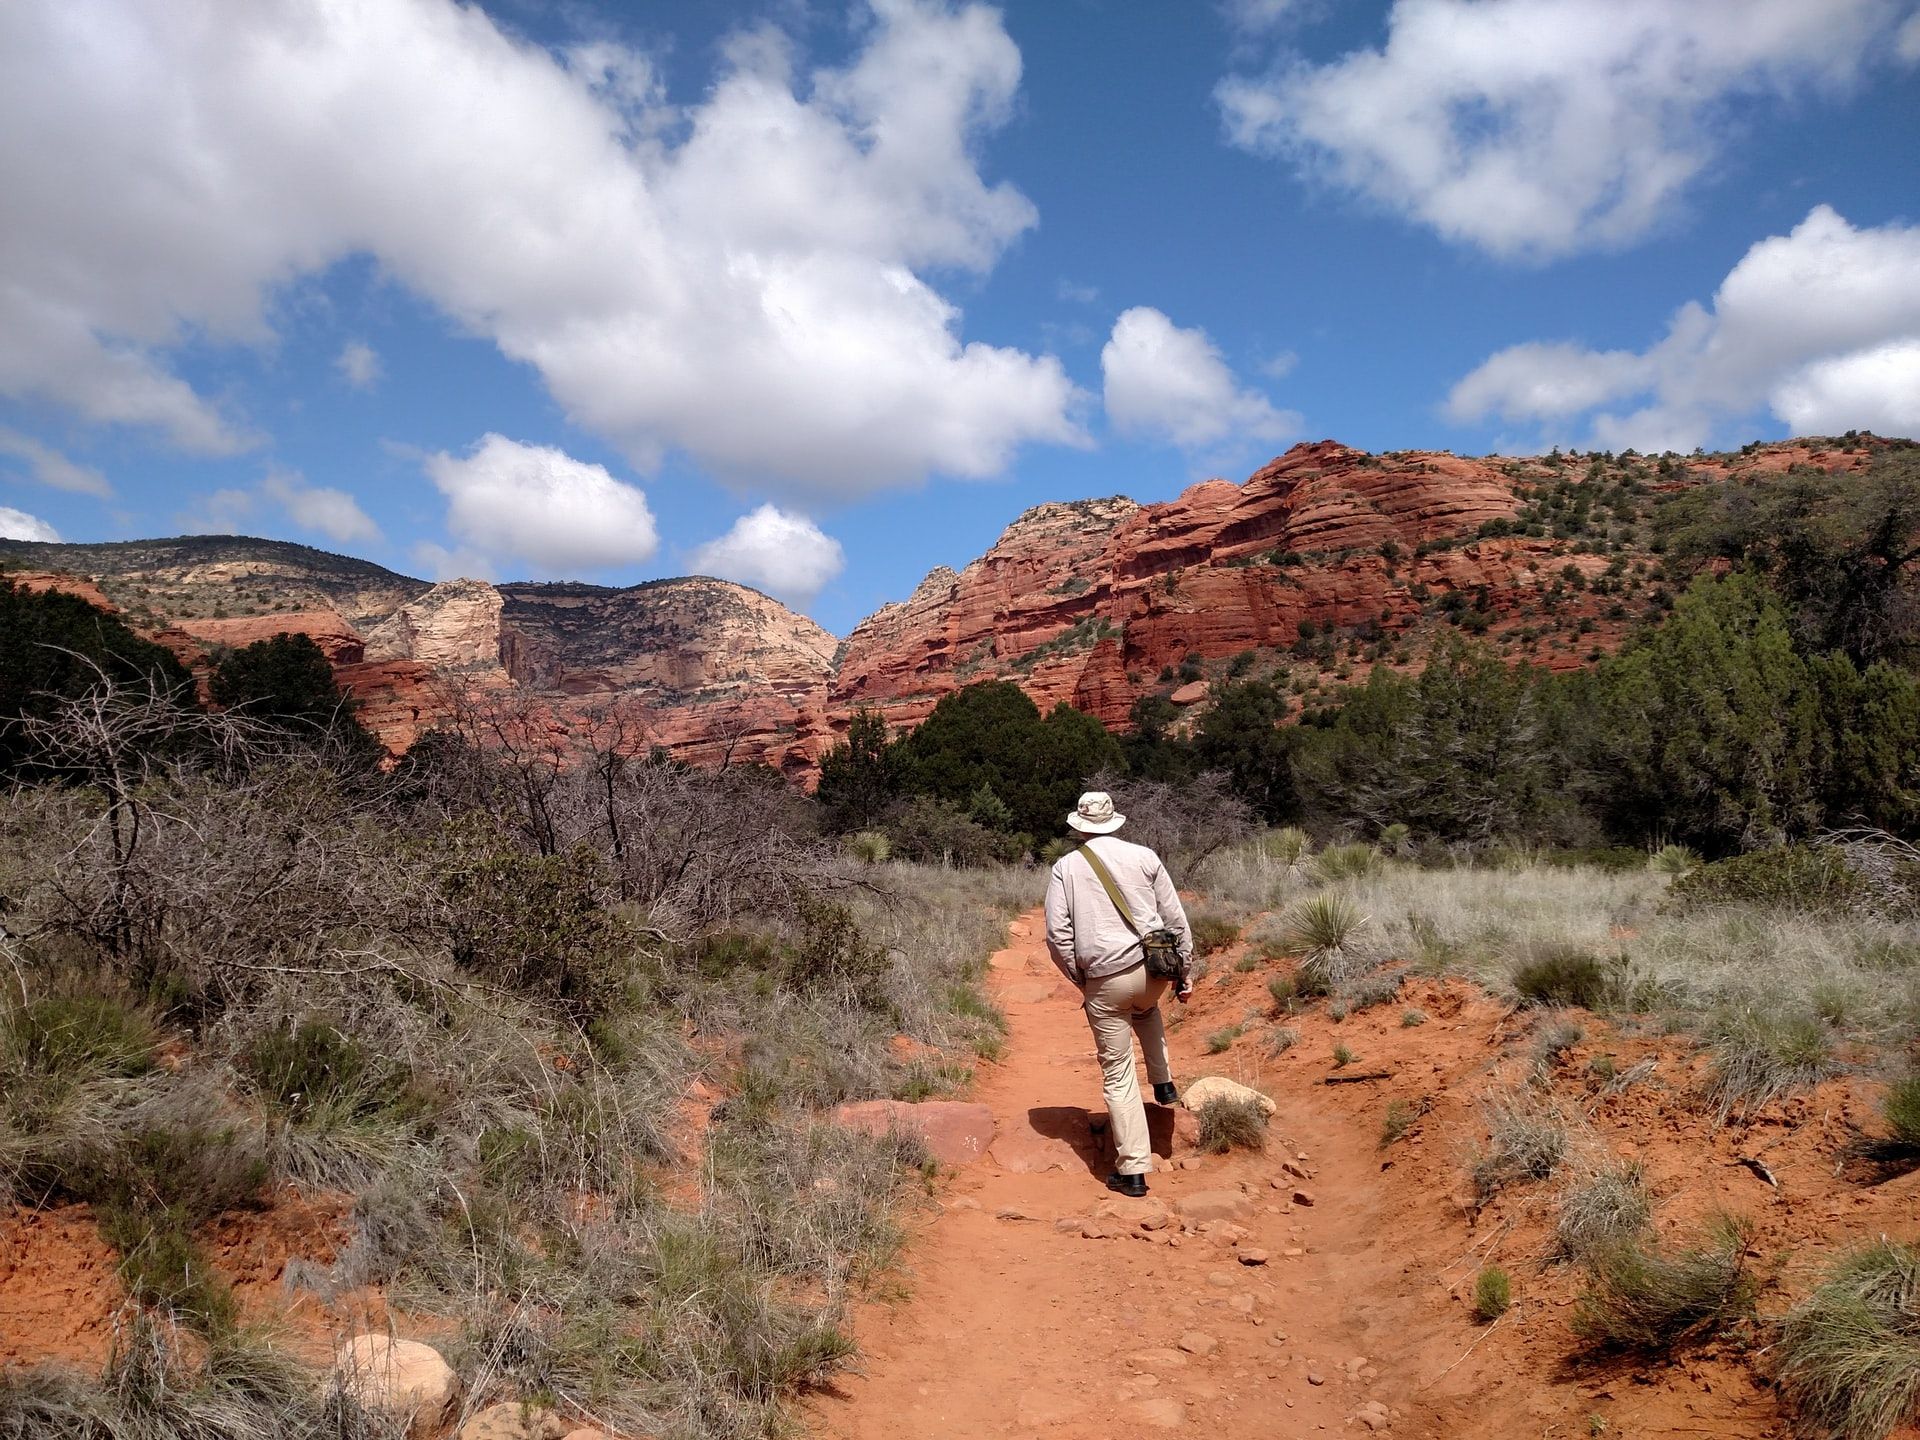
(1321, 564)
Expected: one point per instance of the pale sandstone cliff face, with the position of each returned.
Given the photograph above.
(454, 628)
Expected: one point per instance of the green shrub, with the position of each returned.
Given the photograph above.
(1343, 1056)
(312, 1066)
(1232, 1125)
(1492, 1294)
(832, 951)
(1560, 973)
(79, 1037)
(1213, 933)
(1811, 878)
(1398, 1120)
(1849, 1354)
(1222, 1040)
(535, 923)
(1412, 1017)
(1639, 1297)
(1902, 1110)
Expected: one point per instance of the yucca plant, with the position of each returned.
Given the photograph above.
(1345, 862)
(1674, 861)
(869, 847)
(1289, 844)
(1396, 839)
(1321, 929)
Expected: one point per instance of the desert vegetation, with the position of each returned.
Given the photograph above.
(560, 1030)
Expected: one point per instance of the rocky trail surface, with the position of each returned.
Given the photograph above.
(1041, 1304)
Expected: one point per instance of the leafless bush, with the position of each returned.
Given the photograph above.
(1185, 824)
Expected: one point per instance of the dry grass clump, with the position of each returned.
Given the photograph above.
(1222, 1040)
(1232, 1125)
(1526, 1141)
(1642, 1297)
(1606, 1207)
(1401, 1116)
(1762, 1055)
(1213, 931)
(1281, 1039)
(1849, 1354)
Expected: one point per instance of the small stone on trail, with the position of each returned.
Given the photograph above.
(1241, 1304)
(513, 1421)
(1220, 1280)
(1314, 1377)
(1212, 1205)
(1304, 1198)
(1188, 1162)
(1248, 1255)
(1167, 1359)
(1197, 1342)
(963, 1202)
(1069, 1224)
(1292, 1169)
(1013, 1212)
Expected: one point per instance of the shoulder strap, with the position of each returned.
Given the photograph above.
(1105, 876)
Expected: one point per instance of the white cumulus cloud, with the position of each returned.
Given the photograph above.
(1168, 383)
(50, 467)
(18, 525)
(742, 278)
(334, 513)
(787, 556)
(540, 505)
(1821, 326)
(358, 364)
(1537, 128)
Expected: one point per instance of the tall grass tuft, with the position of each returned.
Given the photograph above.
(1641, 1297)
(1346, 862)
(1673, 861)
(1526, 1141)
(1849, 1354)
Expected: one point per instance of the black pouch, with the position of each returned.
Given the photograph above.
(1161, 948)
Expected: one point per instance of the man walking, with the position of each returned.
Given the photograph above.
(1100, 952)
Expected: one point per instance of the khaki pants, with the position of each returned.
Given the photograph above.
(1118, 1008)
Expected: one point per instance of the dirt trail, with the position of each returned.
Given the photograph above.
(1016, 1326)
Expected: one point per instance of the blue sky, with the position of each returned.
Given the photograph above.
(818, 296)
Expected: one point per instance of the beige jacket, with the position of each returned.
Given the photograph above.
(1085, 935)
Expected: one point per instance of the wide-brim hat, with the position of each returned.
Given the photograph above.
(1094, 815)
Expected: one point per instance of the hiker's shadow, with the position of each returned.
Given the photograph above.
(1086, 1131)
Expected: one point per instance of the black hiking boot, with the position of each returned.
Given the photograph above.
(1166, 1094)
(1133, 1185)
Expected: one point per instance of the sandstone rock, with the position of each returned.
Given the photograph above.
(1189, 694)
(1250, 1255)
(1212, 1205)
(1186, 1129)
(454, 628)
(401, 1378)
(1162, 1412)
(1157, 1359)
(513, 1422)
(954, 1132)
(1303, 1197)
(1198, 1342)
(1217, 1087)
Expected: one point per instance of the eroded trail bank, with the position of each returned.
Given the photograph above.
(1038, 1304)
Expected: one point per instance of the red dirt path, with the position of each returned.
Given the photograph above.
(1015, 1327)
